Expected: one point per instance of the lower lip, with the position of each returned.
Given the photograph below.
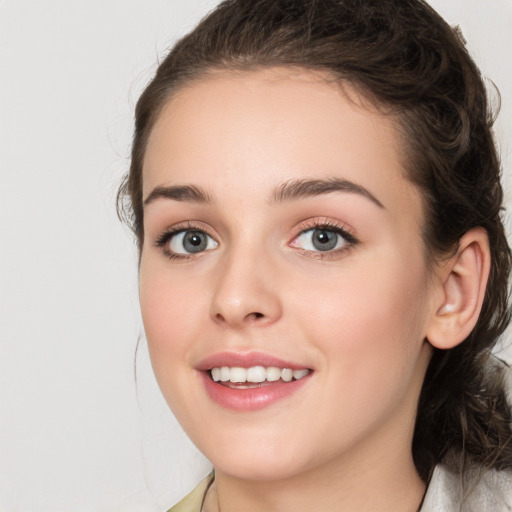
(251, 399)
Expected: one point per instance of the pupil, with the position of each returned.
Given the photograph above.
(194, 241)
(324, 240)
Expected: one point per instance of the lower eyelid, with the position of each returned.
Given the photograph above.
(328, 255)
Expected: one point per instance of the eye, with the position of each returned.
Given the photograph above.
(323, 239)
(183, 243)
(186, 242)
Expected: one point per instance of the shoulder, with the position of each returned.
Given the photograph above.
(487, 492)
(194, 501)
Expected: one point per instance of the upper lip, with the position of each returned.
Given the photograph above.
(246, 360)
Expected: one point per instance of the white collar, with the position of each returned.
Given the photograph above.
(449, 492)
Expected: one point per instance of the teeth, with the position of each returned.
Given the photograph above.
(256, 374)
(298, 374)
(287, 375)
(238, 375)
(273, 373)
(224, 374)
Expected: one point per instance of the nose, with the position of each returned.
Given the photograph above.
(246, 292)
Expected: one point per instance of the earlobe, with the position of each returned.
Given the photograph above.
(463, 282)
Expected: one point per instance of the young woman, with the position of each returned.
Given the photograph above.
(323, 269)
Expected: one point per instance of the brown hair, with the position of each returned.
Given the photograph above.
(403, 56)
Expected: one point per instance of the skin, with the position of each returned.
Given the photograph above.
(357, 316)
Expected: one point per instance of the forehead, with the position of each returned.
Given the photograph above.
(244, 132)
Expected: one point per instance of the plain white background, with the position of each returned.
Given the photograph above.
(76, 431)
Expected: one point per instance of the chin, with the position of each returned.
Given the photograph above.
(260, 458)
(256, 470)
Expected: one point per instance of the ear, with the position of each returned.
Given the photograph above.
(462, 283)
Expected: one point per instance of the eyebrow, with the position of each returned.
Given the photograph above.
(289, 191)
(187, 193)
(296, 189)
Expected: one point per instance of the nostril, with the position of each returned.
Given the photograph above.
(255, 315)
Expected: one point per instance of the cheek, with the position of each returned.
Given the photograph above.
(371, 322)
(170, 311)
(369, 332)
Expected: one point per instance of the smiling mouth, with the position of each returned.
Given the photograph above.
(255, 376)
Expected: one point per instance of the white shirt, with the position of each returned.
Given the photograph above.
(449, 492)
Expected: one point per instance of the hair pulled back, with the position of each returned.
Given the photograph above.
(401, 55)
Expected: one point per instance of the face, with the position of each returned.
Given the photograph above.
(283, 282)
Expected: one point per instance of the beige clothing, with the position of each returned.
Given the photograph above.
(493, 493)
(193, 502)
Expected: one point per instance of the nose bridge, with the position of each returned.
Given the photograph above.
(245, 290)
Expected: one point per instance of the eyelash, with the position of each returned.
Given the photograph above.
(323, 224)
